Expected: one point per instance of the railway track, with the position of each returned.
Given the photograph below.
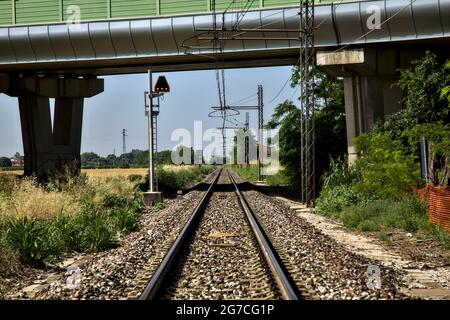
(221, 253)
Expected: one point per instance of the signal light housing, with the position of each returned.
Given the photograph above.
(162, 86)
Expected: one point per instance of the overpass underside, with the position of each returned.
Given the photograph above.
(61, 55)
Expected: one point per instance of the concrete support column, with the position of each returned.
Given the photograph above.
(48, 149)
(36, 132)
(352, 115)
(369, 79)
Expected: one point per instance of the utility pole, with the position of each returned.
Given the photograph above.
(246, 138)
(260, 131)
(307, 66)
(124, 143)
(151, 180)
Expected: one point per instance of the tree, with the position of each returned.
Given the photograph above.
(446, 90)
(386, 170)
(425, 96)
(5, 162)
(331, 141)
(89, 158)
(425, 111)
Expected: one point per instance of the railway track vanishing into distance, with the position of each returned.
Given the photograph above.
(221, 253)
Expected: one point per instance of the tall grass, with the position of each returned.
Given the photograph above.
(40, 223)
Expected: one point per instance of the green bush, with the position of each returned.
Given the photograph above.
(159, 206)
(333, 200)
(340, 174)
(94, 230)
(124, 220)
(35, 240)
(386, 171)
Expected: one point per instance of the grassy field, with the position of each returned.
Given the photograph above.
(88, 213)
(115, 172)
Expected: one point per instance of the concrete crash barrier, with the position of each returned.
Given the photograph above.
(438, 199)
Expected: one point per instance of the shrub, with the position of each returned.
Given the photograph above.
(386, 171)
(124, 220)
(34, 240)
(334, 200)
(340, 174)
(159, 206)
(93, 230)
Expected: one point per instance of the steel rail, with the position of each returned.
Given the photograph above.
(285, 285)
(158, 278)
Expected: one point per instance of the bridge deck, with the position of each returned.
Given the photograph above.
(172, 43)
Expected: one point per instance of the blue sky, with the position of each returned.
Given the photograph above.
(121, 107)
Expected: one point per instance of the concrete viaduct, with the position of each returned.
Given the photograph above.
(43, 56)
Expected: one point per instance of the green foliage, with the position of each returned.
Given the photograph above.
(173, 180)
(95, 227)
(386, 171)
(159, 206)
(330, 127)
(5, 162)
(279, 179)
(438, 137)
(340, 174)
(249, 173)
(333, 200)
(408, 214)
(376, 192)
(34, 240)
(424, 101)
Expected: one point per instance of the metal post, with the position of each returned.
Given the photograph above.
(150, 132)
(306, 69)
(260, 131)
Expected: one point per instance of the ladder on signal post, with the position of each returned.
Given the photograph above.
(154, 114)
(155, 143)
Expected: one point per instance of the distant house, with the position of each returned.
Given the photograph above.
(17, 160)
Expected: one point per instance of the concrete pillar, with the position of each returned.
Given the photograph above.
(48, 149)
(369, 86)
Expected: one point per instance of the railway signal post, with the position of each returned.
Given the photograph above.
(153, 195)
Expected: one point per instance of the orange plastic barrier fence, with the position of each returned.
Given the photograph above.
(438, 199)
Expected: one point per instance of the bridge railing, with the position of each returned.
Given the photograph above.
(27, 12)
